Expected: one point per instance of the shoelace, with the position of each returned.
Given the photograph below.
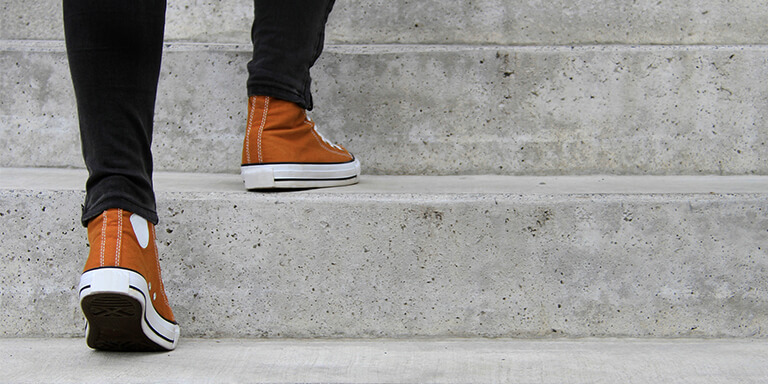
(323, 137)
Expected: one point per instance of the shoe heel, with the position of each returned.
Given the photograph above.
(111, 306)
(114, 302)
(115, 324)
(258, 177)
(109, 280)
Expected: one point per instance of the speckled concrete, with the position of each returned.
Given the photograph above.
(74, 180)
(559, 22)
(438, 109)
(394, 361)
(498, 262)
(334, 263)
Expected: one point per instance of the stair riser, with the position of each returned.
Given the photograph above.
(560, 22)
(438, 110)
(282, 265)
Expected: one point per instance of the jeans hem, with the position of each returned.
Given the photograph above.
(149, 214)
(266, 90)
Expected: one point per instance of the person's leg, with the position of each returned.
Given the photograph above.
(282, 148)
(114, 49)
(288, 37)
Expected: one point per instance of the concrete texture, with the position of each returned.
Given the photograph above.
(446, 263)
(505, 22)
(390, 361)
(437, 110)
(74, 180)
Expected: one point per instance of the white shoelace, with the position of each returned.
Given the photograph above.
(323, 137)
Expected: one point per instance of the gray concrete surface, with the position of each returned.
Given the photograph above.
(52, 179)
(506, 22)
(437, 110)
(451, 262)
(394, 361)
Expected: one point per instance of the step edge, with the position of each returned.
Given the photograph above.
(11, 45)
(58, 179)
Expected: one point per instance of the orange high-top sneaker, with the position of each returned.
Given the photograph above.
(121, 291)
(283, 149)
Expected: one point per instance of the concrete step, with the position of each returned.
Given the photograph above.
(393, 361)
(473, 256)
(511, 22)
(436, 110)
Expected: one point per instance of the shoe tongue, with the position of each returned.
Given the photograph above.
(141, 229)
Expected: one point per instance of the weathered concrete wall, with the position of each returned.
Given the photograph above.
(438, 110)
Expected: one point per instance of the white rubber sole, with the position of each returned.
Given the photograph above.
(268, 176)
(114, 301)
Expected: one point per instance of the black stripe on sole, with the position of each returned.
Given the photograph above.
(320, 179)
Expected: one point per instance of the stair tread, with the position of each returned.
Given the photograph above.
(74, 179)
(394, 361)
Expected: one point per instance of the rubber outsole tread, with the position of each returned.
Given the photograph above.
(114, 324)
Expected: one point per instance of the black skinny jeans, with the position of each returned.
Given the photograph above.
(114, 49)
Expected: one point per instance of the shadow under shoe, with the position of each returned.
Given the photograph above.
(121, 289)
(283, 149)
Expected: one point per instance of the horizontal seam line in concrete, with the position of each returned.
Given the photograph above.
(493, 185)
(446, 199)
(441, 201)
(438, 197)
(439, 340)
(347, 196)
(172, 46)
